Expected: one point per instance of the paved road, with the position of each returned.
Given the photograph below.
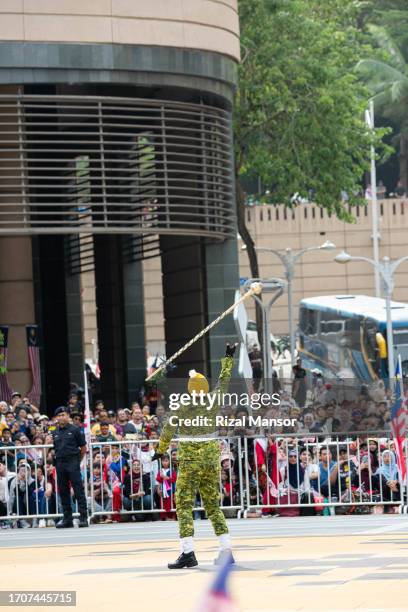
(249, 528)
(310, 564)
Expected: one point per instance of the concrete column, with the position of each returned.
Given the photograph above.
(222, 280)
(110, 318)
(16, 270)
(134, 327)
(74, 328)
(17, 306)
(119, 302)
(184, 300)
(51, 311)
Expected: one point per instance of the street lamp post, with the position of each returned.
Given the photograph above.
(386, 270)
(369, 116)
(275, 286)
(289, 260)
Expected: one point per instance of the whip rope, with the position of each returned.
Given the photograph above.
(255, 289)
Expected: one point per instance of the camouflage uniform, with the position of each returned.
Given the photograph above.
(198, 462)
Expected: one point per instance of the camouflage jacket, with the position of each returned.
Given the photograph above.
(201, 452)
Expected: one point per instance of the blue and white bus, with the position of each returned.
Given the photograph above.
(345, 335)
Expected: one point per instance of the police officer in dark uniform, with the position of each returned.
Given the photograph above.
(70, 447)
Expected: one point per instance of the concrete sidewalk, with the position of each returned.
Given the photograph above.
(367, 571)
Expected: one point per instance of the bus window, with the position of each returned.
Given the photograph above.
(303, 319)
(333, 324)
(352, 334)
(334, 327)
(400, 337)
(308, 321)
(311, 323)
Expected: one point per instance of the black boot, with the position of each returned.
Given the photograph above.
(65, 523)
(184, 560)
(83, 521)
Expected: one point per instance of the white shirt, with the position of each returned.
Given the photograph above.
(4, 490)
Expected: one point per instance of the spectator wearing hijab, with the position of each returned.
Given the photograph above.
(374, 454)
(294, 472)
(388, 473)
(365, 477)
(137, 490)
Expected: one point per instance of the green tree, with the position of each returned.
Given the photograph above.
(386, 71)
(393, 16)
(299, 112)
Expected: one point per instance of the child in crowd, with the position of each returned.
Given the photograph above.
(166, 478)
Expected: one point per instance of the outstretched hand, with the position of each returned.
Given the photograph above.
(156, 456)
(230, 349)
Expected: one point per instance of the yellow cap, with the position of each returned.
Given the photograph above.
(197, 382)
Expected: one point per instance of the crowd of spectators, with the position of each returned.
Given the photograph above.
(315, 465)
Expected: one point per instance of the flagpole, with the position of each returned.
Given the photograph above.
(406, 471)
(87, 423)
(404, 448)
(87, 415)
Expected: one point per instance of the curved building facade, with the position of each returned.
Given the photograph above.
(115, 147)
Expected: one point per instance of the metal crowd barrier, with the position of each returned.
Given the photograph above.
(314, 474)
(31, 485)
(124, 481)
(286, 476)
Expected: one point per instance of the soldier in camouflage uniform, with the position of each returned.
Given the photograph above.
(199, 466)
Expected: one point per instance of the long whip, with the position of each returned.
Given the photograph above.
(255, 289)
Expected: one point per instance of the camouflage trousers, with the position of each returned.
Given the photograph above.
(193, 477)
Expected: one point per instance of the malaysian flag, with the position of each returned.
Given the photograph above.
(399, 421)
(87, 414)
(5, 390)
(34, 358)
(218, 598)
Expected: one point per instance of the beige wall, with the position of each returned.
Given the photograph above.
(317, 273)
(17, 306)
(153, 299)
(16, 270)
(210, 25)
(89, 323)
(154, 315)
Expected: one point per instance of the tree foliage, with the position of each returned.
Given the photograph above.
(299, 117)
(385, 71)
(392, 15)
(299, 113)
(387, 78)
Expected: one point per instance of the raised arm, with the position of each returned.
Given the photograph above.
(227, 364)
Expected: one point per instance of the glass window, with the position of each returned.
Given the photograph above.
(303, 319)
(311, 325)
(400, 336)
(352, 334)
